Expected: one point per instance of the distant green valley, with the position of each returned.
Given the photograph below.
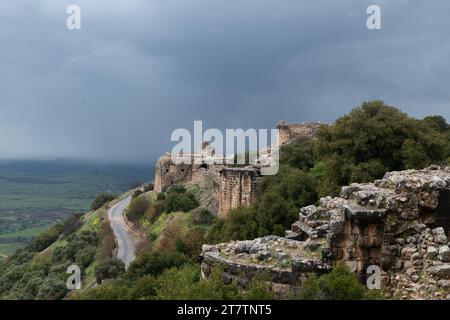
(36, 194)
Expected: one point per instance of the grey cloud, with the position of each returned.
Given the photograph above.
(138, 69)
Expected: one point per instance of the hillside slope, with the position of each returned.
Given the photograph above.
(360, 147)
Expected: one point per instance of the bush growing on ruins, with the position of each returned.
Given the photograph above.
(259, 288)
(339, 284)
(177, 189)
(241, 224)
(101, 199)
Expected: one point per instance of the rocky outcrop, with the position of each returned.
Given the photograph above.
(400, 223)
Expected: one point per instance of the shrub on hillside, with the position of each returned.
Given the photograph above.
(202, 217)
(167, 239)
(52, 289)
(191, 242)
(154, 263)
(185, 283)
(107, 291)
(101, 199)
(176, 201)
(155, 209)
(136, 194)
(137, 209)
(108, 244)
(149, 187)
(45, 239)
(110, 268)
(71, 225)
(80, 247)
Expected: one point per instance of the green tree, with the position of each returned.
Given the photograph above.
(372, 139)
(438, 123)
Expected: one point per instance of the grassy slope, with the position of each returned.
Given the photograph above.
(156, 231)
(36, 194)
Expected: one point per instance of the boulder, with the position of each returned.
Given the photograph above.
(432, 253)
(442, 271)
(444, 254)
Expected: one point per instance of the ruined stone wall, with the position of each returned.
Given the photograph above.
(239, 187)
(168, 174)
(400, 223)
(290, 132)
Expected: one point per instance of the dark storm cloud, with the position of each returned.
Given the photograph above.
(138, 69)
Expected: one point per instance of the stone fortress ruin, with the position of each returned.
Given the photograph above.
(233, 186)
(400, 223)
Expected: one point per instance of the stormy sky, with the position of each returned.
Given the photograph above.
(138, 69)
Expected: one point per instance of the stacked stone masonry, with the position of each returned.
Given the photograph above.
(239, 187)
(400, 223)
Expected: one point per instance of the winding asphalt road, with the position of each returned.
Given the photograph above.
(126, 247)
